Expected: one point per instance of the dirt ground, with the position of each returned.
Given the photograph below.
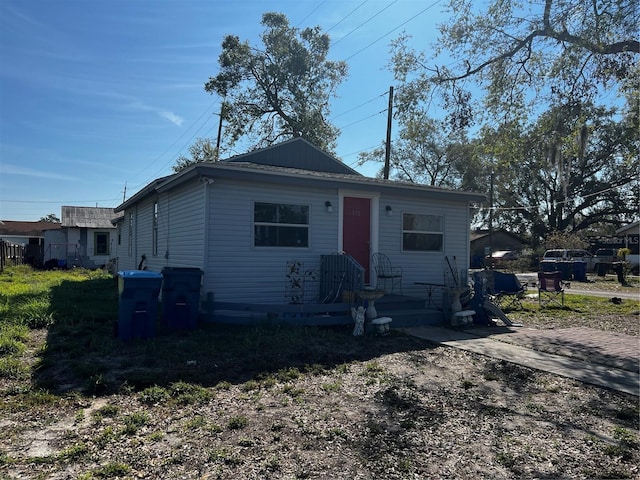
(325, 405)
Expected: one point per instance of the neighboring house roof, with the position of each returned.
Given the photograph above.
(631, 229)
(25, 229)
(478, 234)
(87, 217)
(303, 176)
(295, 153)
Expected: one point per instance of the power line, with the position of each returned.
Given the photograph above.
(363, 119)
(310, 13)
(346, 16)
(359, 106)
(175, 142)
(393, 30)
(365, 22)
(379, 12)
(55, 201)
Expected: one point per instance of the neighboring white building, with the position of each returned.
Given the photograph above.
(631, 234)
(86, 238)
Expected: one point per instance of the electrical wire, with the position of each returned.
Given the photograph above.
(310, 13)
(359, 106)
(393, 30)
(364, 23)
(172, 158)
(346, 16)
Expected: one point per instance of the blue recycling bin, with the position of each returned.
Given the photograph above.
(548, 266)
(565, 269)
(181, 297)
(580, 271)
(138, 292)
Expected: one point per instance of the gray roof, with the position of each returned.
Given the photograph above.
(295, 153)
(631, 229)
(317, 169)
(87, 217)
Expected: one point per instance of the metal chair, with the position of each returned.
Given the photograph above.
(508, 290)
(385, 271)
(551, 288)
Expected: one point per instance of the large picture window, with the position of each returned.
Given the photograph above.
(280, 225)
(422, 233)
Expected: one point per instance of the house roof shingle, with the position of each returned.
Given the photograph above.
(87, 217)
(26, 229)
(303, 173)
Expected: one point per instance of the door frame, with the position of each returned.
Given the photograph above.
(374, 198)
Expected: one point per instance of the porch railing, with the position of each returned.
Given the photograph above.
(340, 277)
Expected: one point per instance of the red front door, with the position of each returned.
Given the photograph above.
(356, 231)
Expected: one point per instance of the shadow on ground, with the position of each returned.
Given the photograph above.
(83, 353)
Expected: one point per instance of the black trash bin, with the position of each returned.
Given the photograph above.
(138, 292)
(181, 297)
(618, 267)
(602, 269)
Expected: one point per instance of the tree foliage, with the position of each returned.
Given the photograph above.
(562, 240)
(522, 55)
(201, 151)
(425, 152)
(51, 218)
(575, 168)
(534, 76)
(279, 91)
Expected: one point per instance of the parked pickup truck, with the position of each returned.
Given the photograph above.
(569, 255)
(609, 256)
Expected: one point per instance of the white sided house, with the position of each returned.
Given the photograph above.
(86, 238)
(249, 221)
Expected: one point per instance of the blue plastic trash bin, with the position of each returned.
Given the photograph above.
(138, 292)
(548, 266)
(565, 268)
(580, 271)
(181, 297)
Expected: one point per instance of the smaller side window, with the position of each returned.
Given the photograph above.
(154, 246)
(101, 243)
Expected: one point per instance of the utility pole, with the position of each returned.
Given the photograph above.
(219, 131)
(491, 219)
(387, 151)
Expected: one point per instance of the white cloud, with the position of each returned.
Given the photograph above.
(7, 169)
(172, 117)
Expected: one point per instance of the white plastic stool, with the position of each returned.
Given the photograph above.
(463, 317)
(381, 325)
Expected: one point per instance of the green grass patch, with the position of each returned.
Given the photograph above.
(135, 421)
(38, 299)
(111, 470)
(237, 422)
(584, 304)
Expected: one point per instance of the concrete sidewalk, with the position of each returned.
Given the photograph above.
(601, 358)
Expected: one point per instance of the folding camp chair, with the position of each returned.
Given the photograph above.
(507, 290)
(551, 288)
(385, 271)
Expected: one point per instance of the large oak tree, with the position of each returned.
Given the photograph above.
(553, 86)
(521, 56)
(281, 89)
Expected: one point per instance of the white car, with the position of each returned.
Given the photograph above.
(501, 257)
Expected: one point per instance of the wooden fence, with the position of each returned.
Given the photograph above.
(12, 255)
